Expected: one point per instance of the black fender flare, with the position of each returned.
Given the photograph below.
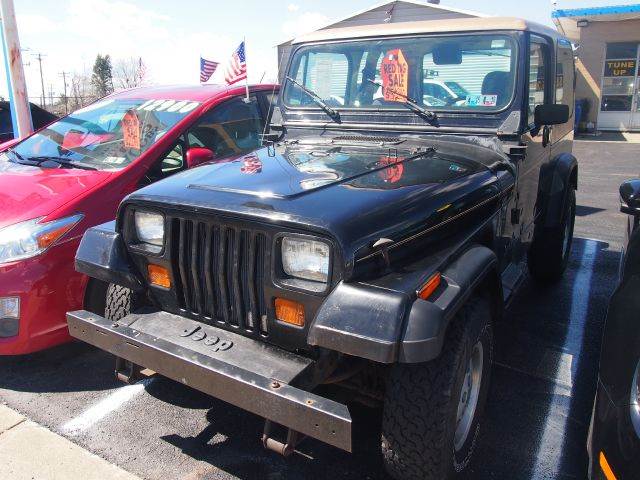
(387, 326)
(102, 255)
(427, 323)
(560, 175)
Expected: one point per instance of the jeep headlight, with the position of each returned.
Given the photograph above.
(305, 258)
(30, 238)
(149, 227)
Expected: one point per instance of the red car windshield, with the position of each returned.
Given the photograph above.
(109, 134)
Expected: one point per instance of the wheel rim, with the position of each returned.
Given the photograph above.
(469, 395)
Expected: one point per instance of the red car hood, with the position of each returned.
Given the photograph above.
(28, 192)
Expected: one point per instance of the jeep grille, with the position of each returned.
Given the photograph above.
(219, 272)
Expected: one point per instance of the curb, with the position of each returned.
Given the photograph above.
(29, 451)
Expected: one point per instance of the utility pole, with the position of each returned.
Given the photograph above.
(39, 58)
(66, 100)
(20, 112)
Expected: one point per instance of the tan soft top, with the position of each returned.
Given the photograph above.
(429, 26)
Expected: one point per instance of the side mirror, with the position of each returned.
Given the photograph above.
(630, 197)
(551, 114)
(198, 155)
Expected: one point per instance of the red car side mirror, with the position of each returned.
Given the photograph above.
(198, 155)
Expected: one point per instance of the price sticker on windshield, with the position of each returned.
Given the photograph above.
(131, 130)
(394, 71)
(482, 100)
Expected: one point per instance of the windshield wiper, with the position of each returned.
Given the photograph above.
(335, 116)
(15, 154)
(65, 162)
(409, 102)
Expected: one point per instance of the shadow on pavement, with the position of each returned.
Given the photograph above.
(584, 210)
(179, 395)
(72, 367)
(232, 443)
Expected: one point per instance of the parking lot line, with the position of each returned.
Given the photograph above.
(104, 407)
(555, 422)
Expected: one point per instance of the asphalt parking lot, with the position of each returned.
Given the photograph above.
(538, 411)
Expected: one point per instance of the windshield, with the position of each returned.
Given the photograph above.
(456, 72)
(108, 134)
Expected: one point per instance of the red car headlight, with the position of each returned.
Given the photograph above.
(30, 238)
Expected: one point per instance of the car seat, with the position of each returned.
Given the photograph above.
(497, 83)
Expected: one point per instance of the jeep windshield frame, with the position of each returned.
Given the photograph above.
(419, 46)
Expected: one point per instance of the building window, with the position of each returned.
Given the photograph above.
(622, 50)
(616, 103)
(618, 77)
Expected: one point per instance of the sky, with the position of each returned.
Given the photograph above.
(170, 37)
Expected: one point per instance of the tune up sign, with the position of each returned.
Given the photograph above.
(620, 68)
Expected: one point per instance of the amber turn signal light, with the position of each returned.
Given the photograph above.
(290, 312)
(606, 468)
(159, 276)
(49, 238)
(428, 288)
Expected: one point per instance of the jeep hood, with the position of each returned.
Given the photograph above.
(355, 193)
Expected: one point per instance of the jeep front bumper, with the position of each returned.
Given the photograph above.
(244, 372)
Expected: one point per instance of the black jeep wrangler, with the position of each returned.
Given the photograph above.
(366, 252)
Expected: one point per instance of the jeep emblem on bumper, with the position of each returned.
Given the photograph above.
(198, 334)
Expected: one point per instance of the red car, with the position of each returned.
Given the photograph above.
(72, 175)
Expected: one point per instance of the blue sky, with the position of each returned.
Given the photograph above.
(171, 36)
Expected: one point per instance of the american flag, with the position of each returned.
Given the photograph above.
(237, 67)
(207, 67)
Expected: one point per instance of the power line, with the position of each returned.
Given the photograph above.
(64, 74)
(39, 58)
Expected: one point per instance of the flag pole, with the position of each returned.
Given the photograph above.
(246, 78)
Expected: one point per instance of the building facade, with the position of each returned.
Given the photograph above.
(607, 41)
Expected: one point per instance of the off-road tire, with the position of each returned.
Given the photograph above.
(548, 259)
(118, 304)
(421, 401)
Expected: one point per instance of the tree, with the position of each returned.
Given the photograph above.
(129, 73)
(80, 91)
(102, 78)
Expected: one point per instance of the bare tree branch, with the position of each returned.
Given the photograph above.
(129, 73)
